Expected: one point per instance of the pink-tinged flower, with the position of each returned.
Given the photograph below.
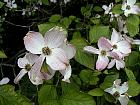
(104, 51)
(48, 47)
(129, 7)
(27, 65)
(4, 81)
(70, 52)
(119, 91)
(121, 47)
(119, 63)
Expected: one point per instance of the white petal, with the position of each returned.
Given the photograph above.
(131, 2)
(120, 64)
(5, 80)
(20, 75)
(22, 62)
(70, 50)
(66, 73)
(34, 42)
(102, 62)
(31, 58)
(91, 49)
(55, 37)
(111, 64)
(104, 44)
(115, 37)
(137, 42)
(35, 76)
(110, 90)
(117, 82)
(123, 100)
(124, 47)
(123, 88)
(57, 60)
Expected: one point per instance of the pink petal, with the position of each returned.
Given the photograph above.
(69, 49)
(124, 47)
(111, 64)
(113, 55)
(57, 60)
(49, 75)
(120, 64)
(20, 75)
(115, 37)
(91, 49)
(34, 42)
(104, 44)
(35, 75)
(55, 37)
(22, 62)
(102, 62)
(31, 58)
(66, 73)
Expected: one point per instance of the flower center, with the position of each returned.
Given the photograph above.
(128, 7)
(116, 94)
(114, 46)
(103, 52)
(28, 67)
(46, 51)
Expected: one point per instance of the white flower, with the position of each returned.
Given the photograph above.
(70, 52)
(65, 1)
(54, 1)
(48, 47)
(129, 7)
(108, 11)
(4, 81)
(119, 91)
(104, 51)
(26, 64)
(11, 3)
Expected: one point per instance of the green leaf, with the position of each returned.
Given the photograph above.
(66, 22)
(9, 97)
(133, 59)
(132, 24)
(45, 2)
(109, 97)
(76, 35)
(81, 56)
(55, 18)
(43, 28)
(88, 77)
(130, 74)
(47, 95)
(86, 11)
(131, 102)
(117, 1)
(2, 55)
(72, 96)
(117, 9)
(98, 31)
(134, 88)
(97, 9)
(108, 81)
(1, 4)
(96, 92)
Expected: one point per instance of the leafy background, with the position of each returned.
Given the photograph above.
(78, 17)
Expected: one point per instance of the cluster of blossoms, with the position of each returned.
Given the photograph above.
(119, 91)
(128, 7)
(65, 1)
(10, 4)
(52, 49)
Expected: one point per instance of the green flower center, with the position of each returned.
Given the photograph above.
(103, 53)
(114, 46)
(128, 7)
(46, 51)
(116, 94)
(28, 67)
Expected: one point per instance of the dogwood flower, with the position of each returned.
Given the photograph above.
(4, 81)
(121, 47)
(11, 3)
(103, 52)
(65, 1)
(48, 47)
(129, 7)
(27, 65)
(119, 91)
(108, 11)
(70, 52)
